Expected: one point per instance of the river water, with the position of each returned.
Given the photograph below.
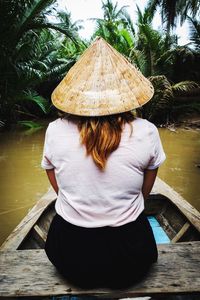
(23, 182)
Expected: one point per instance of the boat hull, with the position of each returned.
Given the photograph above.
(179, 220)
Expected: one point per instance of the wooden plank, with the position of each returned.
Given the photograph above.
(29, 273)
(166, 226)
(183, 230)
(193, 216)
(20, 232)
(39, 235)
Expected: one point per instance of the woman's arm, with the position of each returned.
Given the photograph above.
(52, 179)
(149, 178)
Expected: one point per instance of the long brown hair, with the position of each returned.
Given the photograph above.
(101, 135)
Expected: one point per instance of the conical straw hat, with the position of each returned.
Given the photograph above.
(102, 82)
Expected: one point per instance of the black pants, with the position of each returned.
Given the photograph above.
(107, 256)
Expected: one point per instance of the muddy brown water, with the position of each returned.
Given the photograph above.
(23, 182)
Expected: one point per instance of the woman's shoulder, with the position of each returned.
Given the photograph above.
(144, 125)
(61, 126)
(56, 125)
(59, 122)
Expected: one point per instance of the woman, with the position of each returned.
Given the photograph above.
(102, 162)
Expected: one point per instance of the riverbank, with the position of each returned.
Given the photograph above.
(187, 122)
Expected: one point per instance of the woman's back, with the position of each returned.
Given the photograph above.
(90, 197)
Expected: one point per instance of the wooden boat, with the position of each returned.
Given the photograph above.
(179, 220)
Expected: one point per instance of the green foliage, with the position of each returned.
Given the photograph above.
(37, 52)
(162, 107)
(155, 46)
(31, 53)
(158, 109)
(116, 27)
(183, 64)
(30, 126)
(184, 86)
(39, 100)
(195, 32)
(173, 10)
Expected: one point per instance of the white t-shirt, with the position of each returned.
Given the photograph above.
(89, 197)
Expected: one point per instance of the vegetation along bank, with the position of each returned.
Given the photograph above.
(37, 52)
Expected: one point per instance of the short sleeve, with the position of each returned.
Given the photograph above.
(46, 157)
(157, 154)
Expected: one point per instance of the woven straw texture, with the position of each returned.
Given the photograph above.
(102, 82)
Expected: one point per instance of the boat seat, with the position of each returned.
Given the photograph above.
(28, 273)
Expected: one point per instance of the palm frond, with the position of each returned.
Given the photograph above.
(2, 124)
(30, 124)
(194, 26)
(158, 109)
(32, 11)
(126, 20)
(152, 6)
(173, 10)
(34, 97)
(184, 86)
(138, 58)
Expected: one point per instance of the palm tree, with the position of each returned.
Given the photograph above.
(111, 12)
(34, 61)
(180, 63)
(19, 17)
(158, 109)
(163, 106)
(116, 27)
(147, 40)
(70, 28)
(159, 56)
(171, 10)
(28, 52)
(189, 7)
(152, 45)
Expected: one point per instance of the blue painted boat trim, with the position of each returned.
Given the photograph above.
(159, 234)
